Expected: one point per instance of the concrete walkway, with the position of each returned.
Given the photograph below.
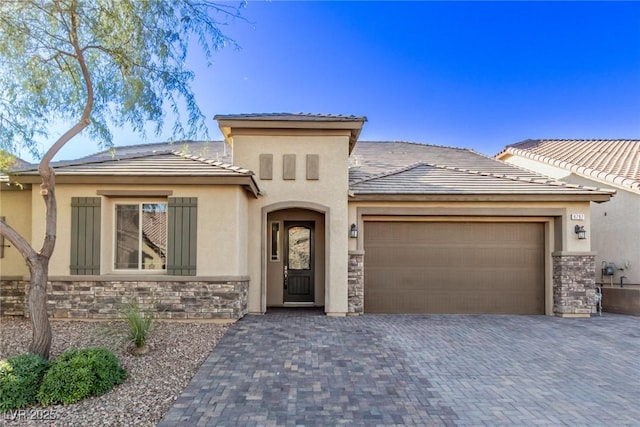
(300, 369)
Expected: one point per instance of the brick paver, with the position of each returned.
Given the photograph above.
(293, 368)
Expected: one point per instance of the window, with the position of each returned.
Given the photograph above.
(158, 236)
(141, 236)
(275, 241)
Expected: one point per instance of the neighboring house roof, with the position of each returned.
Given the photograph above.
(154, 230)
(394, 169)
(9, 161)
(615, 161)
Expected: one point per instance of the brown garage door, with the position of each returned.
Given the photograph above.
(454, 267)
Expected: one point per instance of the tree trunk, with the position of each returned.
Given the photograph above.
(41, 338)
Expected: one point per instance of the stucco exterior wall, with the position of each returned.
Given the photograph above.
(221, 225)
(564, 236)
(532, 165)
(328, 194)
(613, 231)
(559, 227)
(15, 206)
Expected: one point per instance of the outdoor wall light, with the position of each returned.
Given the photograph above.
(354, 231)
(581, 232)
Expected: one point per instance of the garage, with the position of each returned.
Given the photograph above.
(467, 267)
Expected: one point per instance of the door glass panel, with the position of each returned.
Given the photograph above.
(299, 248)
(275, 240)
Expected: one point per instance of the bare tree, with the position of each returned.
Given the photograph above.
(94, 64)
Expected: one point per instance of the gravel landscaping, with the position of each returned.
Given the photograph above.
(154, 380)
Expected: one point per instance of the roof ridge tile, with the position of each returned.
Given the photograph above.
(547, 181)
(217, 163)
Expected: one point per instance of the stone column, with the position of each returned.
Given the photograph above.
(574, 283)
(356, 282)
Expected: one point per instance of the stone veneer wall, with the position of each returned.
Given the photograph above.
(574, 284)
(12, 297)
(101, 299)
(356, 282)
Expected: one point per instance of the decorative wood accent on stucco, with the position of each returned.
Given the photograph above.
(2, 241)
(289, 166)
(266, 166)
(85, 235)
(313, 167)
(182, 236)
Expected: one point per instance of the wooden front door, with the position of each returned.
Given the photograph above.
(298, 261)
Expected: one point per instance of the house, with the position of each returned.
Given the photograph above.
(606, 163)
(291, 210)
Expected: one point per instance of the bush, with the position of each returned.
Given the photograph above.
(77, 374)
(140, 323)
(20, 378)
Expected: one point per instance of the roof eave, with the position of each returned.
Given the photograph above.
(353, 125)
(178, 179)
(487, 197)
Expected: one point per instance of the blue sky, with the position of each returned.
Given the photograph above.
(478, 75)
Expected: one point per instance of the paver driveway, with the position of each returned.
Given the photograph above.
(299, 369)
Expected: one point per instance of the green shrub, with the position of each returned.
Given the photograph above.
(77, 374)
(20, 378)
(140, 323)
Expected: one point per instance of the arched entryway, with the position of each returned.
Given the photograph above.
(295, 254)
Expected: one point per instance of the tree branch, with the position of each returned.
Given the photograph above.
(47, 188)
(19, 242)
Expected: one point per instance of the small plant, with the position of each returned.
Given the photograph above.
(140, 324)
(78, 374)
(20, 378)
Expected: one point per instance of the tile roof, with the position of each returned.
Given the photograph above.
(163, 164)
(214, 150)
(429, 179)
(372, 158)
(291, 117)
(375, 168)
(615, 161)
(410, 168)
(10, 161)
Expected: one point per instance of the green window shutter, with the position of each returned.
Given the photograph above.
(182, 236)
(85, 235)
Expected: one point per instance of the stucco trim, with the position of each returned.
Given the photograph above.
(472, 212)
(134, 193)
(570, 253)
(146, 278)
(142, 180)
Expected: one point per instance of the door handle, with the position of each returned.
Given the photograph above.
(286, 275)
